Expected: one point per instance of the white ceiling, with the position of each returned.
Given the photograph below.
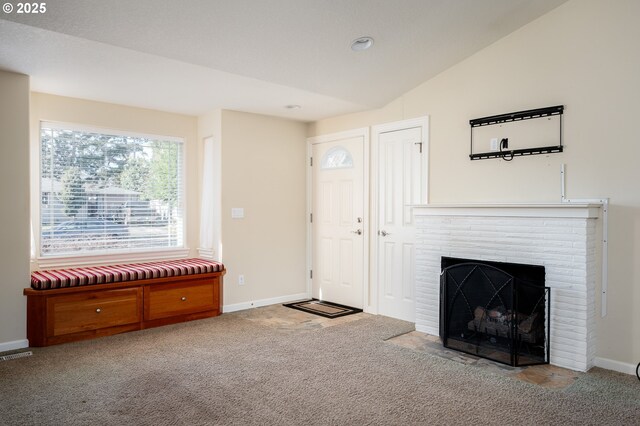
(193, 56)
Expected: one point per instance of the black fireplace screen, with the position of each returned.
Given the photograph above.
(494, 310)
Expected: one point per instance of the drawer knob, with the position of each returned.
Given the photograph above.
(183, 298)
(98, 310)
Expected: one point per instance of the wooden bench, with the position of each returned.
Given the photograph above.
(66, 305)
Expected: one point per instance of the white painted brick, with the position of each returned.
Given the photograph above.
(566, 247)
(563, 301)
(576, 346)
(570, 333)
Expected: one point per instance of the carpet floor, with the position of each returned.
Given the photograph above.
(231, 370)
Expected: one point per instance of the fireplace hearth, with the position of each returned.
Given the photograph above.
(495, 310)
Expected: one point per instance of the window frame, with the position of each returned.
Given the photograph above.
(98, 257)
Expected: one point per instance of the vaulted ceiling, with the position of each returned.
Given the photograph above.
(193, 56)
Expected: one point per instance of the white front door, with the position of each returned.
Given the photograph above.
(338, 224)
(401, 183)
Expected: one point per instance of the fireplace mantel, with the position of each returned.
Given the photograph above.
(566, 210)
(561, 237)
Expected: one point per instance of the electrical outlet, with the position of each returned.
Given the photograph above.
(494, 144)
(240, 279)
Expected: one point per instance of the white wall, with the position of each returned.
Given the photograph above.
(263, 171)
(583, 55)
(14, 208)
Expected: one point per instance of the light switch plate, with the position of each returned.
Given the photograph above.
(237, 212)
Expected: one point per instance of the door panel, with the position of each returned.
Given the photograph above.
(346, 203)
(325, 268)
(346, 261)
(324, 203)
(400, 186)
(338, 212)
(389, 272)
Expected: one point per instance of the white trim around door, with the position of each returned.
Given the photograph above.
(364, 133)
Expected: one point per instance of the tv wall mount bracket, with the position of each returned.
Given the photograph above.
(514, 117)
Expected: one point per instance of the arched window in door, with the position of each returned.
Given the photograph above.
(337, 158)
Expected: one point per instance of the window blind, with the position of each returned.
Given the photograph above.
(108, 192)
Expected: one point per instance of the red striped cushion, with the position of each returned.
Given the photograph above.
(73, 277)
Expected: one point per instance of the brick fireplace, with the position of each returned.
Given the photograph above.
(561, 237)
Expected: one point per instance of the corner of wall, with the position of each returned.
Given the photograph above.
(14, 223)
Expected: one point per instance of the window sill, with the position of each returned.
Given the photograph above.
(104, 259)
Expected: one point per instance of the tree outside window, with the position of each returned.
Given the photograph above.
(107, 192)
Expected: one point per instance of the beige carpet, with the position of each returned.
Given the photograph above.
(234, 370)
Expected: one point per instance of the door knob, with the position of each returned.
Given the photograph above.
(357, 231)
(383, 233)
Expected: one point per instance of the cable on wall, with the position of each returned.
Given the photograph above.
(604, 202)
(504, 144)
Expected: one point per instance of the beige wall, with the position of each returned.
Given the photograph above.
(45, 107)
(583, 55)
(263, 171)
(14, 209)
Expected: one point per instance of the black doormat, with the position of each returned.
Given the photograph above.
(322, 308)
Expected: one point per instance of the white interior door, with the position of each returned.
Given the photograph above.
(401, 183)
(338, 225)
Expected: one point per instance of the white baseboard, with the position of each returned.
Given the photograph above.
(610, 364)
(16, 344)
(264, 302)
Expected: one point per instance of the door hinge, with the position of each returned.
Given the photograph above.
(419, 143)
(311, 161)
(311, 273)
(311, 217)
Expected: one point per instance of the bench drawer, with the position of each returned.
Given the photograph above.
(180, 299)
(73, 313)
(68, 314)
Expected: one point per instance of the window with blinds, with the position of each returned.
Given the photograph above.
(107, 192)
